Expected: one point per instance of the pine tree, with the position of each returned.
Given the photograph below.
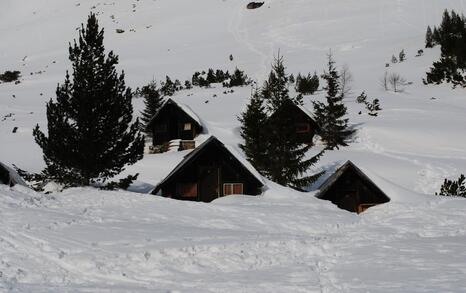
(307, 85)
(330, 115)
(275, 90)
(394, 60)
(238, 78)
(402, 56)
(152, 103)
(429, 38)
(91, 136)
(451, 36)
(453, 188)
(253, 131)
(285, 156)
(168, 87)
(211, 78)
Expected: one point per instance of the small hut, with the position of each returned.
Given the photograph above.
(350, 189)
(304, 121)
(174, 121)
(9, 177)
(210, 171)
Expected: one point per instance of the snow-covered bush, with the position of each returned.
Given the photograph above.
(454, 188)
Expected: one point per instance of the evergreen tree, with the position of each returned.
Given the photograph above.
(286, 155)
(168, 87)
(275, 90)
(278, 152)
(152, 103)
(211, 78)
(402, 56)
(451, 36)
(238, 78)
(307, 85)
(188, 85)
(453, 188)
(330, 115)
(91, 136)
(429, 38)
(394, 60)
(195, 78)
(253, 131)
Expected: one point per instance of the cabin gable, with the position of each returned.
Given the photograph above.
(211, 172)
(172, 122)
(350, 189)
(306, 127)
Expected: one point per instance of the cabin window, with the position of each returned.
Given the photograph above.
(232, 188)
(187, 126)
(303, 127)
(161, 128)
(186, 189)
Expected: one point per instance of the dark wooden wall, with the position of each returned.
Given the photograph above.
(169, 125)
(209, 172)
(353, 193)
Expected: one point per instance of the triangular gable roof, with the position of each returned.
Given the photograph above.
(303, 109)
(185, 108)
(339, 172)
(307, 112)
(197, 151)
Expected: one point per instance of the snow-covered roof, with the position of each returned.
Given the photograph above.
(212, 139)
(339, 172)
(307, 112)
(185, 108)
(14, 177)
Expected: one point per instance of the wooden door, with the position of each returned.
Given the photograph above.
(209, 183)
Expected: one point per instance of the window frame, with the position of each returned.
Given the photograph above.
(231, 185)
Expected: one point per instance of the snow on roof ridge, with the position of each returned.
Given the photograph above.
(307, 112)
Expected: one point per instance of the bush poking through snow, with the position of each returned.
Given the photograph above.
(453, 188)
(397, 82)
(402, 56)
(10, 76)
(373, 107)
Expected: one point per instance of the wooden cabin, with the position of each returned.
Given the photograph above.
(209, 172)
(350, 189)
(174, 121)
(305, 124)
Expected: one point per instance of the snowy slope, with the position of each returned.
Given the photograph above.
(87, 240)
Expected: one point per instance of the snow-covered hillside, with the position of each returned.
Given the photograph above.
(282, 241)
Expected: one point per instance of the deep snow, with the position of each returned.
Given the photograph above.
(282, 241)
